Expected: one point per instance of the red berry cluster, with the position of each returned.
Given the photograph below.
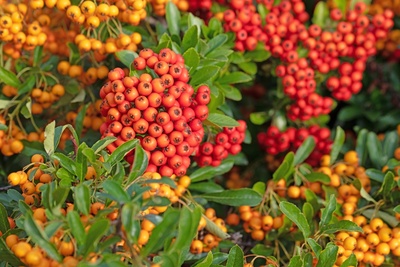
(229, 141)
(355, 38)
(201, 8)
(275, 142)
(164, 113)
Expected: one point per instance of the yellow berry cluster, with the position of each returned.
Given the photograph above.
(164, 190)
(370, 247)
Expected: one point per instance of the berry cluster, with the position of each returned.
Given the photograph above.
(164, 113)
(201, 9)
(255, 223)
(206, 240)
(226, 142)
(370, 247)
(355, 38)
(159, 6)
(274, 141)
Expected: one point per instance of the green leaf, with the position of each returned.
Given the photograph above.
(27, 85)
(375, 175)
(206, 173)
(9, 78)
(328, 256)
(81, 162)
(173, 17)
(49, 138)
(304, 150)
(230, 92)
(222, 120)
(350, 261)
(295, 215)
(130, 221)
(204, 74)
(140, 163)
(308, 211)
(74, 54)
(216, 42)
(390, 143)
(374, 147)
(235, 77)
(259, 187)
(206, 187)
(388, 185)
(327, 212)
(26, 110)
(248, 67)
(316, 248)
(187, 228)
(67, 163)
(321, 14)
(235, 197)
(235, 258)
(96, 231)
(126, 57)
(190, 39)
(161, 232)
(192, 59)
(259, 118)
(103, 143)
(342, 5)
(79, 119)
(312, 198)
(258, 55)
(37, 55)
(214, 229)
(295, 261)
(361, 146)
(337, 144)
(343, 225)
(59, 195)
(207, 261)
(120, 152)
(4, 223)
(76, 226)
(115, 191)
(285, 168)
(318, 177)
(39, 237)
(82, 198)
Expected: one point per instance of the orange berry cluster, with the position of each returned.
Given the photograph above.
(164, 190)
(205, 240)
(237, 180)
(255, 223)
(17, 32)
(92, 120)
(159, 6)
(370, 247)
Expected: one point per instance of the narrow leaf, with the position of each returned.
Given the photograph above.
(295, 215)
(82, 198)
(304, 150)
(337, 144)
(235, 197)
